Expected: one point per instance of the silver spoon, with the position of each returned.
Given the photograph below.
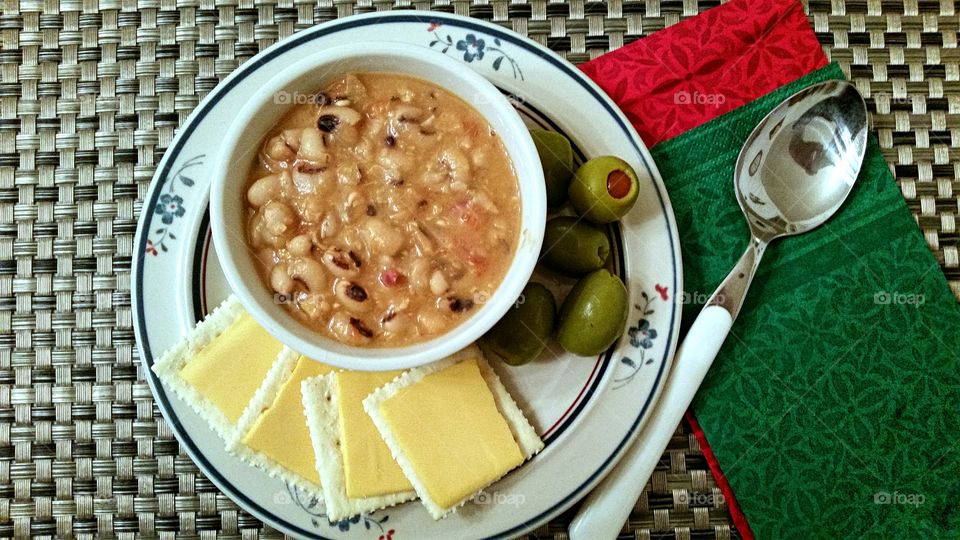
(793, 173)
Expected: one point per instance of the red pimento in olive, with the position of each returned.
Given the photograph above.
(618, 184)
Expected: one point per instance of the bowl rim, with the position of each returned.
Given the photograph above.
(531, 190)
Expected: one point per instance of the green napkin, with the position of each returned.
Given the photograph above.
(833, 406)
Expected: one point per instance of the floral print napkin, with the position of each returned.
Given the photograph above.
(831, 410)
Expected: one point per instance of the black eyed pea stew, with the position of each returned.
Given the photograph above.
(384, 211)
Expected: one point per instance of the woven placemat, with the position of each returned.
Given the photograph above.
(91, 93)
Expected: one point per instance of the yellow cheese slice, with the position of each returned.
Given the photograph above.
(229, 369)
(281, 431)
(450, 429)
(369, 469)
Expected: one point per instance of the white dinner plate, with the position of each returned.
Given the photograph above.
(586, 409)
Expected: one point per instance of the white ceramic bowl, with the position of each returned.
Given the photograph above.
(240, 145)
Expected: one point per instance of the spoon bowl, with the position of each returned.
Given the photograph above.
(794, 172)
(802, 160)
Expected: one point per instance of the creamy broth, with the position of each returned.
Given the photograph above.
(384, 212)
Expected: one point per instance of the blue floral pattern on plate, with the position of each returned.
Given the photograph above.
(641, 337)
(311, 505)
(170, 206)
(471, 47)
(474, 47)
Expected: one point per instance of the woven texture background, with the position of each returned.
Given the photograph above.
(91, 93)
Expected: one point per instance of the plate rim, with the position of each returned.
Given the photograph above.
(404, 16)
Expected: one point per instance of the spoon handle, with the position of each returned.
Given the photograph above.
(607, 508)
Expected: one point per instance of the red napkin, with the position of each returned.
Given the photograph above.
(690, 73)
(712, 64)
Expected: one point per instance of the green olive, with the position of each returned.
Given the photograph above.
(556, 157)
(604, 189)
(593, 314)
(521, 335)
(573, 246)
